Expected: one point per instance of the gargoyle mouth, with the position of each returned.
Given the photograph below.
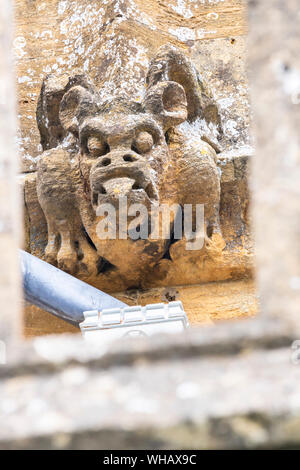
(136, 191)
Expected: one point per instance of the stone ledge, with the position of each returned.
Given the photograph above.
(203, 303)
(209, 403)
(228, 386)
(48, 354)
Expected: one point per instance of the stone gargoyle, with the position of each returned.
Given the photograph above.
(95, 152)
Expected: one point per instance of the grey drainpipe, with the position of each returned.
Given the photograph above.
(59, 293)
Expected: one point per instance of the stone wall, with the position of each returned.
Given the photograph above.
(113, 43)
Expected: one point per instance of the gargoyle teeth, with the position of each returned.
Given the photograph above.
(137, 186)
(121, 187)
(102, 190)
(95, 197)
(147, 187)
(151, 192)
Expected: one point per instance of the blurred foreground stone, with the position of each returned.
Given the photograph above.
(10, 213)
(274, 66)
(232, 386)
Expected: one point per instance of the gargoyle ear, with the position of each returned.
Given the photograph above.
(53, 90)
(75, 105)
(171, 65)
(167, 101)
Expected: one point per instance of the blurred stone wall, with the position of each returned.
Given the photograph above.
(274, 65)
(9, 200)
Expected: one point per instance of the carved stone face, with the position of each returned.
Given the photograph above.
(119, 150)
(123, 151)
(122, 156)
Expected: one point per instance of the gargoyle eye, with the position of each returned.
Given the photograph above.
(143, 142)
(97, 146)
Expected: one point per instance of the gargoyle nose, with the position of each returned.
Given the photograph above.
(120, 159)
